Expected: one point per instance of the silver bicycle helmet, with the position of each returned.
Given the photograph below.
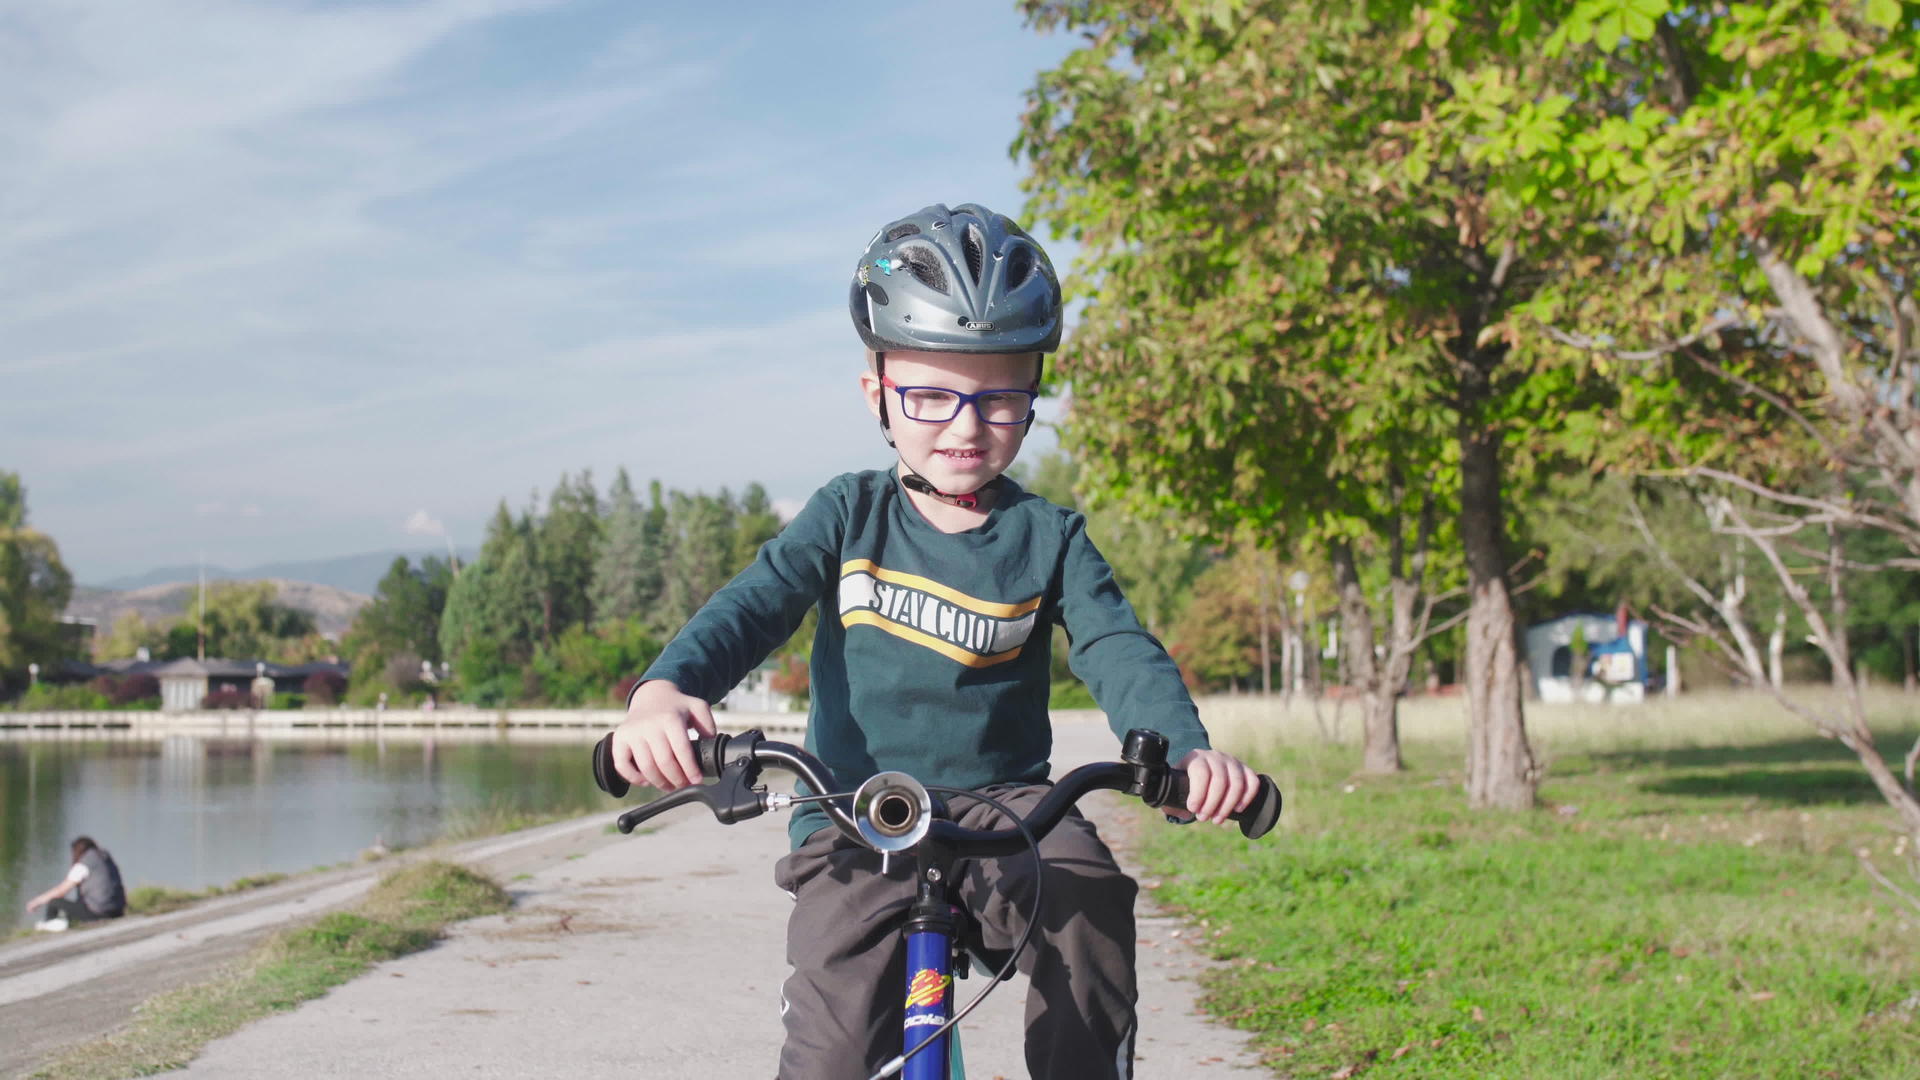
(965, 280)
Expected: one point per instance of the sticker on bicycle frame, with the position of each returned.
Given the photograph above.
(932, 1019)
(928, 988)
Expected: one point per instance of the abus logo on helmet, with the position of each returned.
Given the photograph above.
(970, 324)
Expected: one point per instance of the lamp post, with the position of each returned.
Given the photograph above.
(33, 674)
(1298, 581)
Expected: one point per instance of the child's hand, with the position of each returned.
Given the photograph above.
(1218, 784)
(651, 746)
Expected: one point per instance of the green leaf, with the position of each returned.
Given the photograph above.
(1884, 14)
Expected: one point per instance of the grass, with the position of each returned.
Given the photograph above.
(157, 899)
(1687, 903)
(405, 912)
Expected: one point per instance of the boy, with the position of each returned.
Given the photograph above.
(938, 582)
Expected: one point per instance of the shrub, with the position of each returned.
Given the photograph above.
(45, 697)
(324, 687)
(123, 691)
(227, 697)
(288, 701)
(1070, 694)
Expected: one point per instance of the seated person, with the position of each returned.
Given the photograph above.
(91, 890)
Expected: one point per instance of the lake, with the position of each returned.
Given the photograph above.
(191, 811)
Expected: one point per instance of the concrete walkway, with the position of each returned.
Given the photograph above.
(658, 956)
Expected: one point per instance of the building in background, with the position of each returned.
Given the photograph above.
(1616, 658)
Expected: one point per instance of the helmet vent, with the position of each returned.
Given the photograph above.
(924, 264)
(970, 242)
(1019, 266)
(905, 228)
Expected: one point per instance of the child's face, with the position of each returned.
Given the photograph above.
(964, 453)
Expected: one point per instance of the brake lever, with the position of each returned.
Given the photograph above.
(734, 797)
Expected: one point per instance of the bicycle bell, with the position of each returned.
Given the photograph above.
(893, 811)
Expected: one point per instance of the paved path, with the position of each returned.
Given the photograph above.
(658, 956)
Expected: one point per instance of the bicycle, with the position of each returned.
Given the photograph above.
(894, 814)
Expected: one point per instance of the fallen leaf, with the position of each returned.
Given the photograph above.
(1479, 1015)
(1760, 995)
(1401, 1051)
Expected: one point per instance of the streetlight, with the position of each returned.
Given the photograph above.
(1298, 581)
(33, 674)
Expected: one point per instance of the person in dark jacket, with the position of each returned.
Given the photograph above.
(91, 890)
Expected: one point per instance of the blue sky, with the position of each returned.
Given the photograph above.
(294, 280)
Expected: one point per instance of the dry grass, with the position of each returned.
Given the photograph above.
(1703, 720)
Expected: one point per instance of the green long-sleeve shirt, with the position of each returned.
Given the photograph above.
(932, 652)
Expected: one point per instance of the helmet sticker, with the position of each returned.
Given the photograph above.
(862, 275)
(888, 266)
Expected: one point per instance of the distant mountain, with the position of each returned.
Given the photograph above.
(352, 573)
(332, 609)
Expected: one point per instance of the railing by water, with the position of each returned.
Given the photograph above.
(290, 721)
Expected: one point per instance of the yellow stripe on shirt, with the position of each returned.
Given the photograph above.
(870, 617)
(934, 588)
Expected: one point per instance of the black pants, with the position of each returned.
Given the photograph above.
(72, 910)
(844, 1002)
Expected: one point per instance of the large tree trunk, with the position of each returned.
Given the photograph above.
(1381, 722)
(1501, 771)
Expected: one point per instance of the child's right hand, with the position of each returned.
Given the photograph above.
(651, 746)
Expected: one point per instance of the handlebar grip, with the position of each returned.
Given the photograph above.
(604, 774)
(707, 751)
(1256, 821)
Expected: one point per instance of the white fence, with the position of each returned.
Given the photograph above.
(238, 722)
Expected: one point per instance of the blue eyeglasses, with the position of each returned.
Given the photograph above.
(939, 405)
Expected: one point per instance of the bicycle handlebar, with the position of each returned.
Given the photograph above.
(734, 761)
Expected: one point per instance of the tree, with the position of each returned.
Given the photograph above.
(754, 525)
(34, 588)
(496, 613)
(245, 621)
(701, 540)
(1299, 304)
(586, 666)
(130, 633)
(1763, 173)
(565, 543)
(399, 628)
(626, 568)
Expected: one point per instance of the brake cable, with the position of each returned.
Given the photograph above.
(1020, 946)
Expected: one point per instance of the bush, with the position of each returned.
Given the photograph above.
(129, 691)
(227, 697)
(586, 667)
(1070, 694)
(324, 687)
(793, 678)
(45, 697)
(288, 701)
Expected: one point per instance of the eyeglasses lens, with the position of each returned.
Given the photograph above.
(935, 406)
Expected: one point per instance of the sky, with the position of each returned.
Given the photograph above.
(298, 280)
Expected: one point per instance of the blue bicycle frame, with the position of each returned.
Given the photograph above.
(929, 1003)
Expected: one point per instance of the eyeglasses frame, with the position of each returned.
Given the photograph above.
(1032, 396)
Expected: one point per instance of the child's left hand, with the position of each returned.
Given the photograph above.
(1218, 784)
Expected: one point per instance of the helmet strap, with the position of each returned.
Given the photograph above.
(880, 372)
(973, 500)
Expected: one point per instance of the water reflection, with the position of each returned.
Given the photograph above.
(193, 811)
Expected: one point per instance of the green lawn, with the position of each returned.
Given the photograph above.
(1674, 910)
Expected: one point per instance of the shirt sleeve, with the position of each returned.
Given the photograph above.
(758, 610)
(79, 873)
(1130, 674)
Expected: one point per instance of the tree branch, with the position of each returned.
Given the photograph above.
(1591, 344)
(1887, 884)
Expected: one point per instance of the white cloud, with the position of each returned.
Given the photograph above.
(421, 523)
(336, 262)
